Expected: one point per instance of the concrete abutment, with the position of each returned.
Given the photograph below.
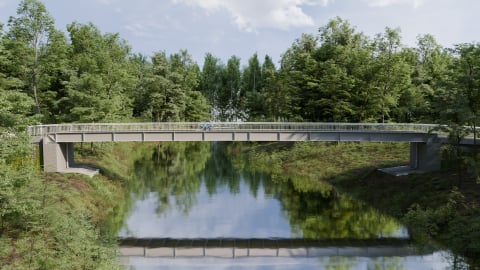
(57, 157)
(425, 157)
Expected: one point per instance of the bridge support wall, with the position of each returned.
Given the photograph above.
(57, 157)
(425, 156)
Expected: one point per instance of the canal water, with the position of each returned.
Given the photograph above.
(195, 206)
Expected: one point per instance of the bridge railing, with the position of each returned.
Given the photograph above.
(42, 130)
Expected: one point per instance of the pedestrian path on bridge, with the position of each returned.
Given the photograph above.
(232, 131)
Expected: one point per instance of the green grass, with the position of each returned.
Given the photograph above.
(326, 161)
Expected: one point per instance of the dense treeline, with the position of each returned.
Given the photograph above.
(338, 74)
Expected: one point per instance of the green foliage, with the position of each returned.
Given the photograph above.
(333, 216)
(16, 109)
(339, 74)
(98, 88)
(303, 159)
(168, 90)
(27, 38)
(39, 228)
(433, 222)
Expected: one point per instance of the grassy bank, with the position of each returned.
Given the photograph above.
(443, 205)
(64, 221)
(114, 160)
(325, 161)
(52, 221)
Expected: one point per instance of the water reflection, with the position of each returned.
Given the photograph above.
(436, 260)
(222, 215)
(196, 190)
(172, 172)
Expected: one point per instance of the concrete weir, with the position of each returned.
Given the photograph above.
(57, 140)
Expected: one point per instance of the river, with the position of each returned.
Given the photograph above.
(195, 207)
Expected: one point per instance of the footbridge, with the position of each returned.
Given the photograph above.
(57, 141)
(240, 248)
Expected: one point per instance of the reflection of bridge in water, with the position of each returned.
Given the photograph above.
(237, 248)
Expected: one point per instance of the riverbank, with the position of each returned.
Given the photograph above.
(443, 206)
(433, 205)
(53, 220)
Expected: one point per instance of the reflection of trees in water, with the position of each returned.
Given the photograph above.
(329, 215)
(315, 209)
(347, 263)
(174, 171)
(221, 172)
(171, 171)
(338, 263)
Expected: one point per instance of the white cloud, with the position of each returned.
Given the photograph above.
(138, 29)
(106, 2)
(384, 3)
(326, 2)
(250, 15)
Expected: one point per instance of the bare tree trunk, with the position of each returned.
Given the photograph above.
(34, 74)
(475, 131)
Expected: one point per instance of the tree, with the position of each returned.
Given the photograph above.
(141, 69)
(229, 96)
(270, 89)
(56, 71)
(467, 78)
(210, 80)
(366, 97)
(27, 36)
(333, 92)
(166, 98)
(102, 82)
(297, 72)
(168, 89)
(429, 63)
(195, 107)
(393, 73)
(16, 108)
(252, 84)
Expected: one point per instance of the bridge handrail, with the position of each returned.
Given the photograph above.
(43, 130)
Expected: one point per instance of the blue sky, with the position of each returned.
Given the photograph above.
(243, 27)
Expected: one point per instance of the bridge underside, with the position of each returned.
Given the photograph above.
(240, 136)
(58, 147)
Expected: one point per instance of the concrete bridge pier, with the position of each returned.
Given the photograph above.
(57, 157)
(425, 156)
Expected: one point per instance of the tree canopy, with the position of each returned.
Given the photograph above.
(337, 74)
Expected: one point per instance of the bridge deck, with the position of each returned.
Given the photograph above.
(248, 131)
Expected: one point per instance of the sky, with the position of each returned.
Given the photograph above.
(266, 27)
